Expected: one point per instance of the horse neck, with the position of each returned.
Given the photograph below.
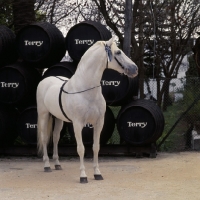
(90, 70)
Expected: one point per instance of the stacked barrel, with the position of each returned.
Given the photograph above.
(42, 46)
(8, 114)
(23, 57)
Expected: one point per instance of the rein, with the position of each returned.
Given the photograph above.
(74, 92)
(60, 99)
(60, 95)
(79, 91)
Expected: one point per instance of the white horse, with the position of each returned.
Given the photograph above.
(79, 100)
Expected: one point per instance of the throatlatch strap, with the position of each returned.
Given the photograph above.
(60, 101)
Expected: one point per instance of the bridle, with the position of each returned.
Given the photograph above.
(109, 55)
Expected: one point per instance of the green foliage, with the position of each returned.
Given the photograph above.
(175, 141)
(191, 94)
(115, 138)
(40, 16)
(6, 13)
(6, 16)
(180, 136)
(19, 141)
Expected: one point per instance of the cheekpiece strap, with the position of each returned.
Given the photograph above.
(109, 52)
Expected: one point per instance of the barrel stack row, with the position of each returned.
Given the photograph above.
(42, 46)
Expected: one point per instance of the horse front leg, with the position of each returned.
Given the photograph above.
(56, 136)
(96, 147)
(81, 150)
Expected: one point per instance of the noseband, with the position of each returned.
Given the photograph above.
(119, 63)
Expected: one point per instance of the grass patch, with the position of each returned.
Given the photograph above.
(176, 139)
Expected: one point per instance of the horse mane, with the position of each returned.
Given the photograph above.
(94, 47)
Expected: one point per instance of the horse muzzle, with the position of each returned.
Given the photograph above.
(131, 71)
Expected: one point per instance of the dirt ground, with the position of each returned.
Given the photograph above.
(170, 176)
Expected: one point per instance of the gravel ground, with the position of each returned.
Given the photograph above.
(170, 176)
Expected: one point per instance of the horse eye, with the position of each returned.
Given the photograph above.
(118, 52)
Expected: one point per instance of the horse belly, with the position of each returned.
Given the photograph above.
(51, 102)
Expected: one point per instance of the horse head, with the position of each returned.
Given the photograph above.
(117, 60)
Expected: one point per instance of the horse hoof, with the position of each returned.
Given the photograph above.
(83, 180)
(47, 169)
(58, 167)
(98, 177)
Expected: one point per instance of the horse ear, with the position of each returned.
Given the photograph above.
(109, 42)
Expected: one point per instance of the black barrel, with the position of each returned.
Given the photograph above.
(83, 35)
(117, 89)
(18, 83)
(66, 69)
(87, 132)
(27, 125)
(140, 122)
(41, 44)
(8, 52)
(8, 125)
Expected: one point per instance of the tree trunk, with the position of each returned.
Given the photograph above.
(141, 54)
(128, 27)
(166, 99)
(158, 89)
(23, 13)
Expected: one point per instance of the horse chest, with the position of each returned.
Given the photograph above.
(89, 110)
(84, 107)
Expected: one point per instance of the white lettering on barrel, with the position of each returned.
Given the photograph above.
(33, 43)
(89, 125)
(137, 124)
(13, 85)
(88, 42)
(28, 125)
(114, 83)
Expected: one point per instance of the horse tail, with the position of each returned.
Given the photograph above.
(44, 136)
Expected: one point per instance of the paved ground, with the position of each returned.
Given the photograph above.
(169, 176)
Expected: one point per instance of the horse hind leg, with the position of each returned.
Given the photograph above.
(96, 146)
(56, 136)
(44, 133)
